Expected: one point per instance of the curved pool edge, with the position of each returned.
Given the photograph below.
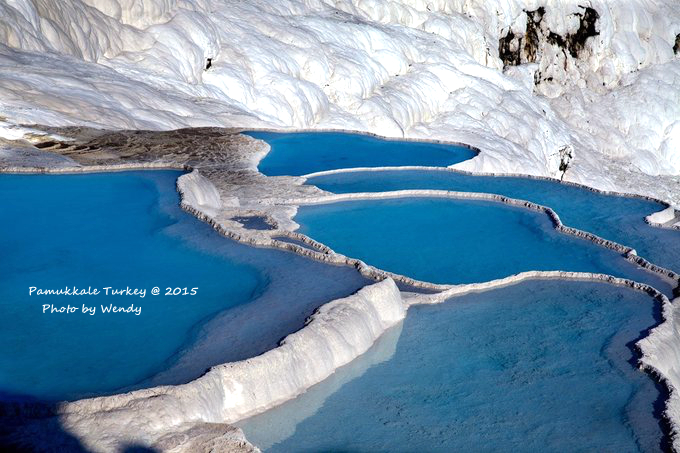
(337, 333)
(652, 219)
(236, 390)
(659, 350)
(323, 253)
(363, 133)
(450, 168)
(628, 253)
(95, 168)
(104, 423)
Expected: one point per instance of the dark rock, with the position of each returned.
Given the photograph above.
(531, 37)
(576, 41)
(510, 56)
(517, 49)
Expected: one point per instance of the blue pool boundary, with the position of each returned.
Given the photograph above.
(627, 252)
(451, 168)
(508, 175)
(364, 133)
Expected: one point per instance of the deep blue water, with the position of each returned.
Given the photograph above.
(458, 241)
(126, 229)
(302, 153)
(540, 366)
(617, 218)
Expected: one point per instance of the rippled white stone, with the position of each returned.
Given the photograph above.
(199, 193)
(335, 334)
(661, 352)
(412, 68)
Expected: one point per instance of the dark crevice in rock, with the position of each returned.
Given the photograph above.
(531, 37)
(556, 40)
(511, 55)
(50, 145)
(566, 155)
(676, 47)
(577, 41)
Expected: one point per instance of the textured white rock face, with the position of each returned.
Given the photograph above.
(638, 120)
(199, 193)
(336, 334)
(661, 351)
(413, 68)
(662, 217)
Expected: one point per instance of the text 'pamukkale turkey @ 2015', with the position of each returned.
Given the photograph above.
(104, 291)
(111, 291)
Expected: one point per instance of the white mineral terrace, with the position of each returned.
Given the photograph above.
(223, 184)
(667, 218)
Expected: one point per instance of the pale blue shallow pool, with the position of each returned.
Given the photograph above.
(540, 366)
(302, 153)
(543, 365)
(458, 241)
(126, 229)
(620, 219)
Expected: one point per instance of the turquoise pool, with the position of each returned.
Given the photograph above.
(620, 219)
(540, 366)
(302, 153)
(458, 241)
(127, 230)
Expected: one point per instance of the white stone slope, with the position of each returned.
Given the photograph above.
(281, 422)
(200, 194)
(336, 333)
(412, 68)
(666, 218)
(661, 354)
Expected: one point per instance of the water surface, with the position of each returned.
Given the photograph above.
(539, 366)
(617, 218)
(127, 230)
(458, 241)
(301, 153)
